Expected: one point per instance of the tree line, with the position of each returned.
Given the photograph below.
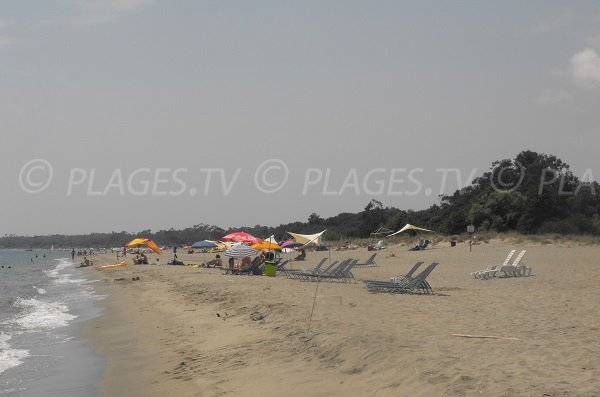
(532, 193)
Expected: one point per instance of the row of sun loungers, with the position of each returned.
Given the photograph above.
(506, 269)
(334, 272)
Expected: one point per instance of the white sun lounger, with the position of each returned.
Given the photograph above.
(492, 270)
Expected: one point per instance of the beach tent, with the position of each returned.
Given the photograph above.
(271, 239)
(307, 238)
(411, 229)
(144, 241)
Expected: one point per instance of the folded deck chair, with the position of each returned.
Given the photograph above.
(492, 270)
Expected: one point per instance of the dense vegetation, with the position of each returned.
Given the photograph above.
(533, 193)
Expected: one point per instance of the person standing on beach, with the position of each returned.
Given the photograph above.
(73, 254)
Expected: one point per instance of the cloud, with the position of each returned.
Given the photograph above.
(585, 68)
(552, 24)
(94, 12)
(553, 97)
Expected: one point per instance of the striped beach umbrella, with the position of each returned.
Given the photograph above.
(241, 251)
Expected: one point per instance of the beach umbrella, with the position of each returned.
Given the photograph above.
(266, 246)
(204, 244)
(241, 251)
(242, 237)
(291, 244)
(143, 241)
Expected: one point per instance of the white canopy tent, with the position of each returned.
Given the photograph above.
(308, 238)
(271, 239)
(408, 226)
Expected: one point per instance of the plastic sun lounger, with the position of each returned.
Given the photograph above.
(485, 273)
(517, 268)
(418, 284)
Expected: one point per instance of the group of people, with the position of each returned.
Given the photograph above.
(86, 262)
(140, 259)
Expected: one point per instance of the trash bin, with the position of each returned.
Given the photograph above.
(453, 243)
(270, 269)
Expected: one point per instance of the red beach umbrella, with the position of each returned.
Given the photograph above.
(242, 238)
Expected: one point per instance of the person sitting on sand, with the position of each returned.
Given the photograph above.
(302, 256)
(231, 264)
(214, 263)
(86, 262)
(246, 263)
(143, 259)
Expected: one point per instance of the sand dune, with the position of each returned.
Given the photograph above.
(193, 332)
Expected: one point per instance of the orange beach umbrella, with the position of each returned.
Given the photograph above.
(144, 241)
(265, 245)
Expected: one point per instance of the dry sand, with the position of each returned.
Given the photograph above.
(184, 331)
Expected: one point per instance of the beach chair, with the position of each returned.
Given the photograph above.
(492, 270)
(304, 274)
(369, 263)
(254, 268)
(331, 272)
(418, 284)
(516, 268)
(398, 279)
(421, 245)
(315, 269)
(342, 273)
(281, 265)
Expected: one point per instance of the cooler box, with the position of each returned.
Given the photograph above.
(270, 269)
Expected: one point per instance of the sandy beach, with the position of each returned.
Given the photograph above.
(186, 331)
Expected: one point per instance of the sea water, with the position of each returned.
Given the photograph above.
(44, 303)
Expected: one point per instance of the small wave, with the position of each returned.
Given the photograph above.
(10, 357)
(44, 315)
(40, 291)
(66, 279)
(63, 263)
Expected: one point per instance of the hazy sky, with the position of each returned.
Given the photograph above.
(157, 114)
